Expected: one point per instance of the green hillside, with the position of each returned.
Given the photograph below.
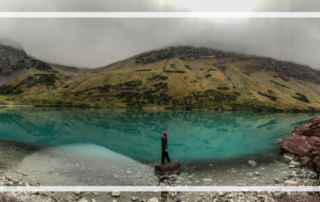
(176, 77)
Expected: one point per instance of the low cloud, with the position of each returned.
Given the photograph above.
(98, 42)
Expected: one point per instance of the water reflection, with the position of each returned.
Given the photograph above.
(192, 135)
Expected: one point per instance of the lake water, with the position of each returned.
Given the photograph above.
(120, 146)
(193, 135)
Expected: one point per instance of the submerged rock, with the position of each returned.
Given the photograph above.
(252, 163)
(207, 179)
(169, 168)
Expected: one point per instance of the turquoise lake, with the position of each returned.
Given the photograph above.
(193, 135)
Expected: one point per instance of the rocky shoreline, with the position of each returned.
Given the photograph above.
(299, 176)
(303, 146)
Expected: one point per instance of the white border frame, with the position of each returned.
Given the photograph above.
(159, 14)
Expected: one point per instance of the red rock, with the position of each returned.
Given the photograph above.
(316, 164)
(295, 144)
(296, 158)
(299, 129)
(304, 144)
(169, 168)
(315, 125)
(303, 127)
(314, 119)
(314, 154)
(311, 132)
(297, 132)
(305, 160)
(314, 142)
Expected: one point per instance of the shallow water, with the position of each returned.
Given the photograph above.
(192, 135)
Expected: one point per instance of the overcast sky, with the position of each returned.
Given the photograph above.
(98, 42)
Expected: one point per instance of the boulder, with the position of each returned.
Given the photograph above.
(83, 200)
(305, 160)
(207, 179)
(115, 193)
(295, 144)
(304, 145)
(288, 157)
(268, 199)
(252, 163)
(311, 132)
(169, 168)
(316, 164)
(295, 164)
(154, 199)
(314, 154)
(315, 125)
(279, 194)
(314, 119)
(290, 183)
(173, 177)
(314, 142)
(298, 129)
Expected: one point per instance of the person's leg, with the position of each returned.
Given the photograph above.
(162, 157)
(167, 156)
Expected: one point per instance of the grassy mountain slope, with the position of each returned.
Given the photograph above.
(179, 77)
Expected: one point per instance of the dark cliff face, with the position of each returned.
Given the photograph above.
(13, 60)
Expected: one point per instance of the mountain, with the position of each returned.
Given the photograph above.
(21, 74)
(174, 77)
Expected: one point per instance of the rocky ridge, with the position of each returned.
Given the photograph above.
(13, 60)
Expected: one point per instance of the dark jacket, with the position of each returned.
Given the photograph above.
(164, 143)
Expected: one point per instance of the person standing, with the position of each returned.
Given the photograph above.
(165, 154)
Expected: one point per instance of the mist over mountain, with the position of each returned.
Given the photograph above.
(95, 42)
(11, 43)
